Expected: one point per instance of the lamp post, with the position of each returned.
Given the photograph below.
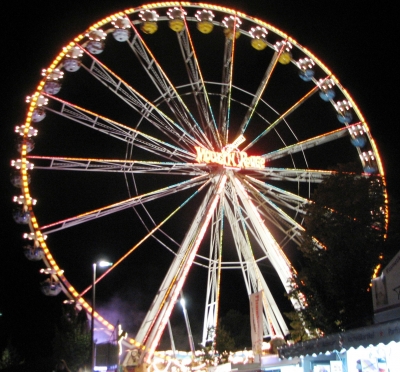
(189, 331)
(93, 354)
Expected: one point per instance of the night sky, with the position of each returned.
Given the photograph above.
(357, 43)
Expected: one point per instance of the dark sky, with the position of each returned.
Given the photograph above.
(356, 41)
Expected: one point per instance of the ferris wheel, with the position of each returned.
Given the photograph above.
(186, 134)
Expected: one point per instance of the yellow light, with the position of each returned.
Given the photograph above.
(176, 25)
(258, 44)
(285, 58)
(149, 27)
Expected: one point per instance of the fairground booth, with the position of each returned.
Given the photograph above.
(375, 348)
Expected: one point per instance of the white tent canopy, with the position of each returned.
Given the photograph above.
(365, 336)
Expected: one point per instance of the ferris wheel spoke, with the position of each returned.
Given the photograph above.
(239, 213)
(310, 143)
(241, 225)
(285, 197)
(198, 86)
(116, 165)
(269, 245)
(292, 174)
(291, 229)
(282, 117)
(117, 130)
(253, 277)
(122, 205)
(275, 214)
(242, 218)
(248, 227)
(139, 103)
(166, 88)
(213, 265)
(150, 227)
(156, 319)
(259, 93)
(227, 77)
(149, 234)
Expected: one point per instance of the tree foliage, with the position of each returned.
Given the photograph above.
(232, 333)
(300, 329)
(224, 341)
(72, 343)
(275, 343)
(342, 244)
(10, 358)
(238, 326)
(217, 351)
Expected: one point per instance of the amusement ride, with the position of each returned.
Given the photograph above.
(187, 133)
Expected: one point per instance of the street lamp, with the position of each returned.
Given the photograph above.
(189, 331)
(100, 264)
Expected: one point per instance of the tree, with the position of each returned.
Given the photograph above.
(342, 245)
(301, 330)
(10, 358)
(275, 343)
(217, 351)
(224, 341)
(238, 326)
(72, 344)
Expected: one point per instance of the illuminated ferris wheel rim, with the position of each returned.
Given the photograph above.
(207, 155)
(84, 39)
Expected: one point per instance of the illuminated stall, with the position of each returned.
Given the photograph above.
(375, 348)
(367, 349)
(273, 363)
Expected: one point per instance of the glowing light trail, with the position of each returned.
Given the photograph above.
(149, 234)
(283, 116)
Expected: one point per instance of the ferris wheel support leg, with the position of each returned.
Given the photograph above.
(213, 279)
(271, 248)
(254, 279)
(157, 317)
